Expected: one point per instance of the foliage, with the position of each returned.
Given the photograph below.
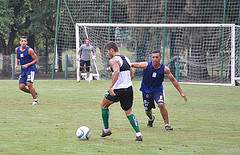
(6, 18)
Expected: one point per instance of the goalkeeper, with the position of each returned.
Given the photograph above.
(152, 88)
(84, 55)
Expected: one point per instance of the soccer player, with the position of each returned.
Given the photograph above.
(119, 90)
(152, 87)
(84, 55)
(27, 58)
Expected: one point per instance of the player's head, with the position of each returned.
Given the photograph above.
(87, 41)
(23, 41)
(111, 48)
(156, 56)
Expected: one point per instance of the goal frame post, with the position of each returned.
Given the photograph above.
(144, 25)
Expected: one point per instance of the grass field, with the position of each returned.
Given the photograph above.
(208, 124)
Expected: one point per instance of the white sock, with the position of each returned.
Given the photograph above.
(106, 130)
(138, 134)
(166, 125)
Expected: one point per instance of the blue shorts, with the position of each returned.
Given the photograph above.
(149, 99)
(27, 75)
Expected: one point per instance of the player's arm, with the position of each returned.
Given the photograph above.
(116, 69)
(175, 83)
(142, 65)
(79, 53)
(131, 72)
(34, 58)
(93, 53)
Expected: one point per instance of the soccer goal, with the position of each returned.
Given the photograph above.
(195, 53)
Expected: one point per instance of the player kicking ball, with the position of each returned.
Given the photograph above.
(152, 87)
(120, 90)
(27, 58)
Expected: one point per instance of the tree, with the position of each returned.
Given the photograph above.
(6, 20)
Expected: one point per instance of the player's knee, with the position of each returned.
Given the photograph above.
(104, 104)
(81, 68)
(21, 86)
(128, 112)
(30, 85)
(88, 69)
(161, 105)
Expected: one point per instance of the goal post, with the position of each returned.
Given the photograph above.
(195, 53)
(93, 66)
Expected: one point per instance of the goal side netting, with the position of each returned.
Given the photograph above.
(195, 53)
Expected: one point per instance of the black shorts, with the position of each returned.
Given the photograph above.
(87, 63)
(124, 95)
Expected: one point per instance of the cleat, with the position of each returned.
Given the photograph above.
(139, 138)
(150, 122)
(104, 134)
(168, 127)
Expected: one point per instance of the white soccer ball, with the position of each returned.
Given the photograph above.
(83, 133)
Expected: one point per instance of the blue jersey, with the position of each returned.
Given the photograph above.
(24, 58)
(152, 79)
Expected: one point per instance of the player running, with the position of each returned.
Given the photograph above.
(27, 58)
(152, 87)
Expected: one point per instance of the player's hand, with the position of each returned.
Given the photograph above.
(94, 57)
(111, 92)
(25, 66)
(184, 97)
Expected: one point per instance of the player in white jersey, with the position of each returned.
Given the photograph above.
(119, 90)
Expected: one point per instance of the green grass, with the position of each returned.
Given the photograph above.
(208, 124)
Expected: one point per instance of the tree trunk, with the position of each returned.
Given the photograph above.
(12, 36)
(7, 68)
(2, 45)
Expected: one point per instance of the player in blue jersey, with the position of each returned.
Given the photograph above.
(120, 90)
(26, 58)
(152, 87)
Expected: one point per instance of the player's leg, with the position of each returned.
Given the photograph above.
(30, 79)
(88, 65)
(159, 99)
(22, 83)
(23, 88)
(81, 68)
(105, 103)
(126, 101)
(148, 104)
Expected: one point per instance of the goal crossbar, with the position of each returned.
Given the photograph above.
(151, 25)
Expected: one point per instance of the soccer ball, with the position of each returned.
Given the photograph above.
(83, 133)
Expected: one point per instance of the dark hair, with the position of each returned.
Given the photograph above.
(112, 45)
(23, 37)
(157, 51)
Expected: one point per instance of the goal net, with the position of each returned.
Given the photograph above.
(195, 53)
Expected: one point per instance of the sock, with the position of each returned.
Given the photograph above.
(105, 117)
(133, 122)
(149, 114)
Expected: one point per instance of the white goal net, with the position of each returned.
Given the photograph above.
(195, 53)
